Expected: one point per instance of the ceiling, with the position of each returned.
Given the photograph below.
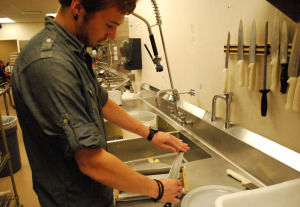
(27, 10)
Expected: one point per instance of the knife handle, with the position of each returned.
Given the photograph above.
(264, 101)
(252, 76)
(290, 96)
(283, 78)
(274, 77)
(168, 205)
(225, 80)
(296, 104)
(241, 72)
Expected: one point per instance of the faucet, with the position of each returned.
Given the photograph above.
(227, 97)
(173, 97)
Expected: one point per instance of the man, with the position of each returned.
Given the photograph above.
(61, 106)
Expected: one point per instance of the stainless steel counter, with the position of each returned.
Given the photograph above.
(237, 148)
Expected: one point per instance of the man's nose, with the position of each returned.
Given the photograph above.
(112, 34)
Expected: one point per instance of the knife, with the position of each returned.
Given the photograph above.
(174, 171)
(225, 70)
(293, 72)
(244, 181)
(283, 58)
(252, 51)
(296, 104)
(264, 91)
(240, 54)
(275, 53)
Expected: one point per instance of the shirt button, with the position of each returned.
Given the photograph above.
(66, 121)
(48, 40)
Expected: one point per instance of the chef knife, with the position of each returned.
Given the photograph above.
(264, 91)
(275, 53)
(252, 51)
(174, 171)
(240, 54)
(293, 70)
(225, 70)
(283, 58)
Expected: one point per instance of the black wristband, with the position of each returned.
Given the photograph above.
(152, 132)
(160, 190)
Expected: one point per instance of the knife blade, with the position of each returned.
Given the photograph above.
(174, 171)
(264, 91)
(283, 58)
(275, 53)
(293, 70)
(252, 51)
(225, 70)
(240, 54)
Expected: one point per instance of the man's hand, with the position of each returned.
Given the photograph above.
(169, 142)
(172, 189)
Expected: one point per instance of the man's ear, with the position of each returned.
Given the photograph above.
(76, 8)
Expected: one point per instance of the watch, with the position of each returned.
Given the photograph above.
(152, 132)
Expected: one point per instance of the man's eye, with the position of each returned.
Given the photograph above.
(109, 26)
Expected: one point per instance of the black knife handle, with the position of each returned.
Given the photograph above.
(264, 101)
(283, 78)
(168, 205)
(152, 40)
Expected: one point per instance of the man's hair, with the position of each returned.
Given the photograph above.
(91, 6)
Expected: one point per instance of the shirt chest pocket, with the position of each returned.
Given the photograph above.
(92, 101)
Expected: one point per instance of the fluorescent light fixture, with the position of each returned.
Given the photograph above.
(51, 14)
(6, 20)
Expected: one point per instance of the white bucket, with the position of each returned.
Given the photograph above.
(146, 117)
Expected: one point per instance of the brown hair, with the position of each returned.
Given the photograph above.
(91, 6)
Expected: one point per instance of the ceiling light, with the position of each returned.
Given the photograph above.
(51, 14)
(6, 20)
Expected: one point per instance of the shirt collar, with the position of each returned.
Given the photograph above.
(73, 43)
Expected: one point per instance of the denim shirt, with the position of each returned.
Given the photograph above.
(59, 106)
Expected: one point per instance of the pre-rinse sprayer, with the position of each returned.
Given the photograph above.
(156, 59)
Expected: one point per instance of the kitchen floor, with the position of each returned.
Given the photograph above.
(22, 178)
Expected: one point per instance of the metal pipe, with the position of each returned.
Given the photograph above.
(227, 97)
(144, 20)
(159, 23)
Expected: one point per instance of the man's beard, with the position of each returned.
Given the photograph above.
(82, 35)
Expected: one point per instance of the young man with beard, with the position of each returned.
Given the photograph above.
(61, 107)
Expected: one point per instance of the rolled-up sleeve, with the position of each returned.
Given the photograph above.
(63, 103)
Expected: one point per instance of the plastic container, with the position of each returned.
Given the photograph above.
(285, 194)
(10, 128)
(146, 117)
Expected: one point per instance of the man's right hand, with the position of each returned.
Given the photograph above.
(172, 189)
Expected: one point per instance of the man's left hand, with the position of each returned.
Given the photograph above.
(169, 142)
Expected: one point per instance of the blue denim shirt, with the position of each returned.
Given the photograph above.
(59, 106)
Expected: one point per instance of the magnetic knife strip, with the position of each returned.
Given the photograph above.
(259, 49)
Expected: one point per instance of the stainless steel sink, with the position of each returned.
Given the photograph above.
(114, 132)
(139, 153)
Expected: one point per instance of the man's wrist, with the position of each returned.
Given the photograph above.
(151, 134)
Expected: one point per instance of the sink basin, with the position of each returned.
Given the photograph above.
(139, 153)
(114, 132)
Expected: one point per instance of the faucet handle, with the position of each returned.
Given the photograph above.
(171, 109)
(191, 92)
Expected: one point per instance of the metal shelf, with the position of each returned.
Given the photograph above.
(4, 159)
(7, 161)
